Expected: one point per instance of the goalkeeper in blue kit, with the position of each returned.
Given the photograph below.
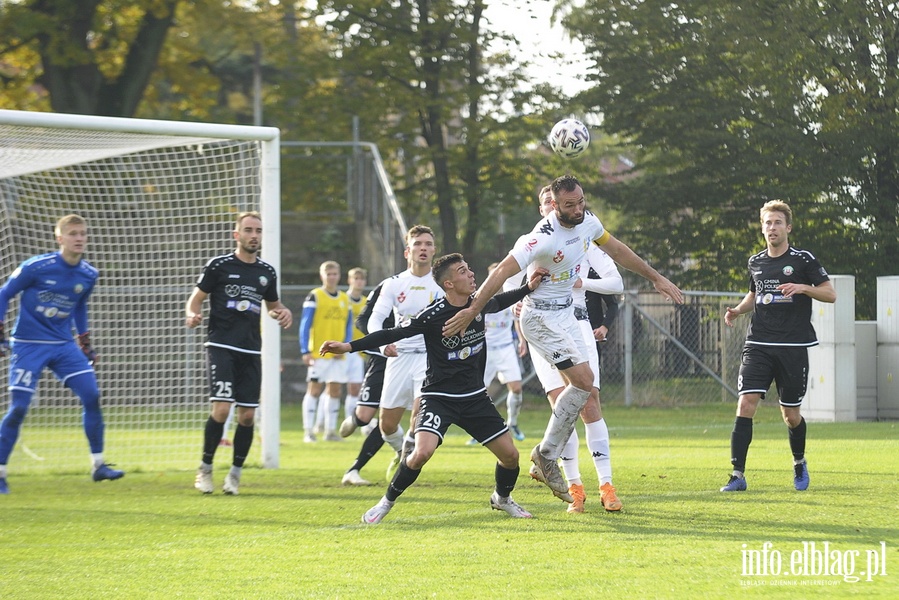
(53, 290)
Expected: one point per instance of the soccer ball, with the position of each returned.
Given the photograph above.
(569, 138)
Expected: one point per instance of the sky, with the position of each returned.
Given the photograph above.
(529, 21)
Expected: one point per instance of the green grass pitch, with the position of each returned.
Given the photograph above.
(294, 532)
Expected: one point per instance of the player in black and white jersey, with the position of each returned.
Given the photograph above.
(783, 281)
(240, 286)
(453, 391)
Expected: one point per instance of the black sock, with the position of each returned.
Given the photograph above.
(740, 439)
(797, 440)
(212, 435)
(243, 440)
(370, 447)
(505, 480)
(360, 422)
(403, 479)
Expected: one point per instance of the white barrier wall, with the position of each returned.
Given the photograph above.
(888, 347)
(832, 394)
(866, 370)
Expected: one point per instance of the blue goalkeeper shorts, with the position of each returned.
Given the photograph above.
(28, 361)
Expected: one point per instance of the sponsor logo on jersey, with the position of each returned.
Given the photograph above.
(559, 257)
(465, 352)
(232, 290)
(417, 287)
(530, 245)
(48, 311)
(234, 276)
(450, 342)
(788, 270)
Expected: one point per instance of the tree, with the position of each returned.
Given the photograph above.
(424, 66)
(94, 57)
(736, 103)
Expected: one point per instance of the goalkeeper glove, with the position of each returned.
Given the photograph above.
(4, 343)
(84, 340)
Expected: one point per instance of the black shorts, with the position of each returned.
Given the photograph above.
(233, 376)
(373, 382)
(787, 366)
(475, 414)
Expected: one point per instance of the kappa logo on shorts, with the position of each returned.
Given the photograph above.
(451, 342)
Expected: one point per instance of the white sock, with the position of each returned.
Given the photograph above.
(2, 471)
(96, 459)
(561, 423)
(598, 444)
(571, 465)
(395, 439)
(513, 401)
(349, 405)
(310, 403)
(235, 472)
(321, 411)
(333, 414)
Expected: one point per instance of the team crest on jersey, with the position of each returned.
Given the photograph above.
(788, 270)
(79, 288)
(263, 280)
(451, 342)
(559, 257)
(478, 318)
(401, 298)
(232, 290)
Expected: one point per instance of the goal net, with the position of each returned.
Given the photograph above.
(160, 199)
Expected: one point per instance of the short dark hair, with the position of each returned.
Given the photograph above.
(417, 230)
(443, 264)
(565, 183)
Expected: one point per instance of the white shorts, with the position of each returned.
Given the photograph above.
(403, 379)
(355, 367)
(554, 334)
(502, 362)
(327, 370)
(550, 377)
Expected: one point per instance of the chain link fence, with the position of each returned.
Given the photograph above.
(658, 353)
(662, 354)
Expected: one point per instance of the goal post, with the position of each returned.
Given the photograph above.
(160, 198)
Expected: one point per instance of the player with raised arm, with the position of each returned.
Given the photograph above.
(559, 243)
(783, 281)
(53, 290)
(553, 383)
(454, 391)
(237, 285)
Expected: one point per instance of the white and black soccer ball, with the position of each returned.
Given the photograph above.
(569, 138)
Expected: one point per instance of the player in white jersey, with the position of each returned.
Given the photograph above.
(610, 282)
(405, 295)
(559, 243)
(503, 350)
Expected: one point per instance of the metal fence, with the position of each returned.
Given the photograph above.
(658, 353)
